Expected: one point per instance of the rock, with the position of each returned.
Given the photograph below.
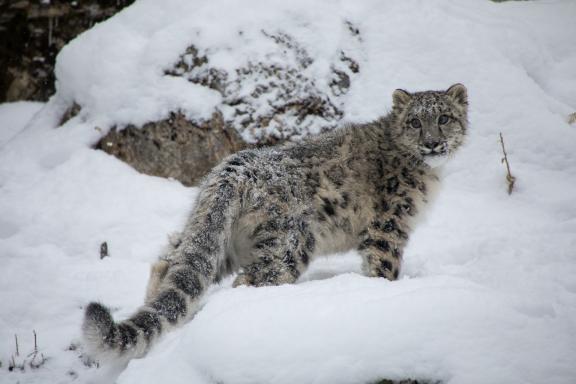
(264, 102)
(175, 147)
(71, 112)
(268, 102)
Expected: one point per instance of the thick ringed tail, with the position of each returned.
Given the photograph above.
(105, 339)
(134, 336)
(174, 294)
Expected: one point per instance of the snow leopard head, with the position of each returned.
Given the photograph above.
(431, 124)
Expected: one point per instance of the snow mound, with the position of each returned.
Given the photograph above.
(14, 116)
(269, 79)
(487, 292)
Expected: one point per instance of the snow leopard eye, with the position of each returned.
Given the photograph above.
(443, 119)
(415, 123)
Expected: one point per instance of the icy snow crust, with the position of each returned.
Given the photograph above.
(488, 289)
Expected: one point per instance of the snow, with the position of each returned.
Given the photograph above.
(487, 293)
(128, 84)
(13, 116)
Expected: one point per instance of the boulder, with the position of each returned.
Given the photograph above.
(175, 147)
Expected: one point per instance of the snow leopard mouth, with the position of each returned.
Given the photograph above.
(436, 159)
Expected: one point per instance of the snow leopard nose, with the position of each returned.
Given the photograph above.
(435, 146)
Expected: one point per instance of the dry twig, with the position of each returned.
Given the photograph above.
(16, 362)
(34, 354)
(509, 178)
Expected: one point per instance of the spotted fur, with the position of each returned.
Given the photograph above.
(265, 214)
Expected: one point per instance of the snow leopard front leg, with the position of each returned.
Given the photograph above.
(381, 246)
(281, 250)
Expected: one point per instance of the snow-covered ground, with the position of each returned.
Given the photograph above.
(14, 116)
(488, 289)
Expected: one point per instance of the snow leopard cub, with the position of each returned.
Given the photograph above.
(266, 213)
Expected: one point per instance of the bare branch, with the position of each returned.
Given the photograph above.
(509, 178)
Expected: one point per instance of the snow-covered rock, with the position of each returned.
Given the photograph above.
(265, 79)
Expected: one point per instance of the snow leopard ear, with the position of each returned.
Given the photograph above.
(458, 93)
(400, 97)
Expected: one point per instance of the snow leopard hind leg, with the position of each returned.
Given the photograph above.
(198, 261)
(281, 250)
(159, 269)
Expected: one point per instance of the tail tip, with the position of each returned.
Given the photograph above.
(98, 325)
(99, 316)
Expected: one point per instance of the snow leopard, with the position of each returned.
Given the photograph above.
(265, 214)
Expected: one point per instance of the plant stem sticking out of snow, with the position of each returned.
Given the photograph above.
(103, 250)
(34, 363)
(509, 178)
(38, 359)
